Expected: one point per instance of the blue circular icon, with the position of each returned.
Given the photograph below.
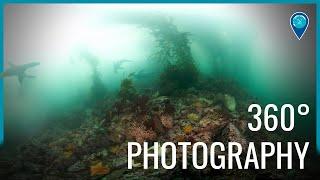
(299, 21)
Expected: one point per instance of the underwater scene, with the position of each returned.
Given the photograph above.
(82, 80)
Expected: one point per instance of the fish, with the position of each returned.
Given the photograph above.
(118, 64)
(19, 71)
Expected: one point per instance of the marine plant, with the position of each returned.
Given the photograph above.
(98, 89)
(141, 134)
(140, 104)
(127, 90)
(174, 53)
(193, 117)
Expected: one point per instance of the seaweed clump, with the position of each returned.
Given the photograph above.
(174, 52)
(98, 89)
(127, 90)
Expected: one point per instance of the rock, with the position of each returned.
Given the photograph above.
(120, 162)
(206, 101)
(117, 137)
(230, 102)
(116, 174)
(227, 101)
(241, 125)
(204, 122)
(232, 134)
(78, 166)
(36, 168)
(98, 149)
(157, 124)
(208, 110)
(104, 153)
(6, 167)
(268, 175)
(166, 121)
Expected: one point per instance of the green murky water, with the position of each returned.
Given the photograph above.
(86, 51)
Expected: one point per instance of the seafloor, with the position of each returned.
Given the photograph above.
(215, 110)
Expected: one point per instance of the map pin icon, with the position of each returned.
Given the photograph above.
(299, 22)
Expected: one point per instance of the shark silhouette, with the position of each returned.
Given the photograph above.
(19, 70)
(118, 65)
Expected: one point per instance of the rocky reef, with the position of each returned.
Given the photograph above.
(98, 148)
